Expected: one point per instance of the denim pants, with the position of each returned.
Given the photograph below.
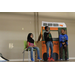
(32, 48)
(49, 44)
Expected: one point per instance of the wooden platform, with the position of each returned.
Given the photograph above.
(73, 60)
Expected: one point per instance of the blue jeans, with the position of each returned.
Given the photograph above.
(32, 48)
(49, 44)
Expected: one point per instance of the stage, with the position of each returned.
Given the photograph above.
(71, 60)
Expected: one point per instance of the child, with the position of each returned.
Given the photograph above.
(49, 42)
(63, 38)
(31, 46)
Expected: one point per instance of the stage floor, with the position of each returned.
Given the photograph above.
(73, 60)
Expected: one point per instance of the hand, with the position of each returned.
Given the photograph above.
(30, 46)
(34, 46)
(37, 41)
(48, 34)
(53, 44)
(63, 43)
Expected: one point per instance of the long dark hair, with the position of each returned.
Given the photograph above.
(29, 39)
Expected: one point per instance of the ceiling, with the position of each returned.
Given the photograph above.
(66, 15)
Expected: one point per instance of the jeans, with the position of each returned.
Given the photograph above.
(49, 44)
(32, 48)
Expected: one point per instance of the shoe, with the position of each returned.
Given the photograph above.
(52, 59)
(32, 59)
(49, 59)
(66, 59)
(39, 58)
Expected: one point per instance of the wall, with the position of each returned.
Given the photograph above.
(11, 25)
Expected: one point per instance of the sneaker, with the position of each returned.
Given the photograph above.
(66, 59)
(32, 59)
(49, 58)
(39, 58)
(52, 59)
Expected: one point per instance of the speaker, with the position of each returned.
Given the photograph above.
(55, 56)
(45, 57)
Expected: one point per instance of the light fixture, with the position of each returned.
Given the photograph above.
(22, 28)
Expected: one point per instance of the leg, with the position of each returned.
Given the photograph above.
(31, 48)
(51, 46)
(61, 52)
(28, 55)
(47, 45)
(65, 48)
(38, 53)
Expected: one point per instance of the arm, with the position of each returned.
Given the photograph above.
(28, 44)
(66, 39)
(51, 39)
(39, 38)
(60, 39)
(34, 45)
(46, 36)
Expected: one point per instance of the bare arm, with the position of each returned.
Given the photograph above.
(39, 37)
(28, 44)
